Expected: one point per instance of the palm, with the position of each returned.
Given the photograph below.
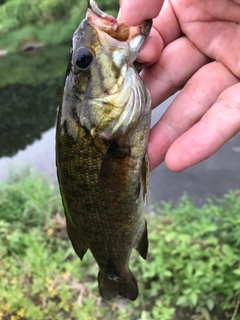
(203, 59)
(212, 26)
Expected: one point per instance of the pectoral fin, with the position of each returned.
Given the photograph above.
(77, 243)
(142, 246)
(114, 152)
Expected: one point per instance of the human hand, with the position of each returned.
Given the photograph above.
(194, 46)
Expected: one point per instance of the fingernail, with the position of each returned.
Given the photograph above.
(119, 14)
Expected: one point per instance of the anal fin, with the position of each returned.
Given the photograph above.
(142, 246)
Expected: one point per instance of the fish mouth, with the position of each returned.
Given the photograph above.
(110, 25)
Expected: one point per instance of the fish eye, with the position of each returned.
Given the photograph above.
(83, 57)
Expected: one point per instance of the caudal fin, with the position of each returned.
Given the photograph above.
(110, 287)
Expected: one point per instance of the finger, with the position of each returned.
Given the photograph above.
(219, 40)
(137, 11)
(199, 94)
(177, 63)
(151, 49)
(166, 24)
(215, 128)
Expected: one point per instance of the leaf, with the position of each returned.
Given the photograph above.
(199, 273)
(181, 301)
(210, 305)
(185, 238)
(237, 271)
(167, 273)
(189, 269)
(194, 298)
(170, 236)
(237, 285)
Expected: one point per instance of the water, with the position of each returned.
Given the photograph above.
(30, 88)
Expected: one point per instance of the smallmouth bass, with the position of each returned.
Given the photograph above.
(102, 132)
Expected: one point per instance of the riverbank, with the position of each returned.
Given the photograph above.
(29, 24)
(192, 270)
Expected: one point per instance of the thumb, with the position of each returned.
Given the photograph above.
(137, 11)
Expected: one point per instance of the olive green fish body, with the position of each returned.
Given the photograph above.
(102, 132)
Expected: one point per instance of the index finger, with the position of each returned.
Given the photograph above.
(137, 11)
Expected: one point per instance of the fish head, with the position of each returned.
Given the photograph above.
(103, 77)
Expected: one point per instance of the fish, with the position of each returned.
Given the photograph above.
(101, 137)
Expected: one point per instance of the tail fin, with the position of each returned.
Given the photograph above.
(110, 286)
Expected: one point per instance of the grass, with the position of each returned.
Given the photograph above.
(192, 270)
(28, 200)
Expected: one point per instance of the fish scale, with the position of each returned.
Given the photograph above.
(101, 137)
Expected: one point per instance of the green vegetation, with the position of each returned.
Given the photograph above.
(192, 270)
(47, 21)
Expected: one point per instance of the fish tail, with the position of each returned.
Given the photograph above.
(111, 286)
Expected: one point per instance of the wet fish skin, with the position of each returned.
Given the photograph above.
(101, 138)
